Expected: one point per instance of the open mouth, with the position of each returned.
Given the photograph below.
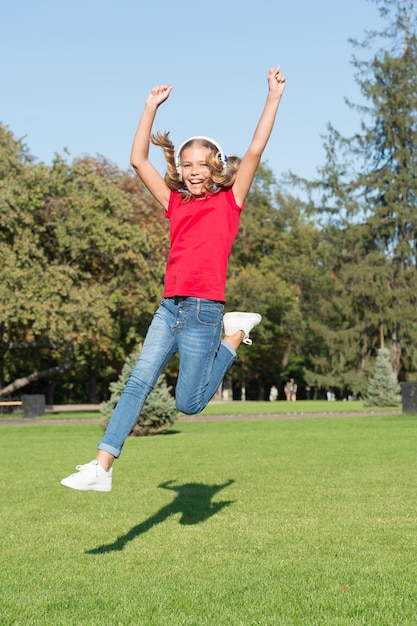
(196, 186)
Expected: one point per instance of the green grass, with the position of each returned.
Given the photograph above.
(236, 523)
(283, 407)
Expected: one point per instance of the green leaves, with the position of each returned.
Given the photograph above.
(75, 264)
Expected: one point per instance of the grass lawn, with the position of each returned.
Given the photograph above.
(226, 523)
(283, 407)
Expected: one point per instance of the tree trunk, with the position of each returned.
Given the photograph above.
(395, 353)
(19, 383)
(92, 387)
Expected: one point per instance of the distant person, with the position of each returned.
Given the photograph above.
(203, 194)
(294, 390)
(290, 390)
(273, 393)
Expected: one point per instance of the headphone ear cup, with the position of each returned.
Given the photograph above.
(178, 165)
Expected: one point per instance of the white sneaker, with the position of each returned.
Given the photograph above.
(235, 321)
(90, 477)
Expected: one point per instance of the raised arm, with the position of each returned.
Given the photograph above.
(251, 160)
(139, 157)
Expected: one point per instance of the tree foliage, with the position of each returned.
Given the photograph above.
(366, 195)
(81, 268)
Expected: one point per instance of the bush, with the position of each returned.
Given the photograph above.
(159, 411)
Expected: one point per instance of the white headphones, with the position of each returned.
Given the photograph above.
(222, 156)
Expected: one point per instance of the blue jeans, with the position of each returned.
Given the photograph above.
(192, 327)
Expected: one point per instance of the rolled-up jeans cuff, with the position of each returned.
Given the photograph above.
(106, 448)
(227, 345)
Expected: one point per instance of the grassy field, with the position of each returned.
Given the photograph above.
(283, 407)
(290, 522)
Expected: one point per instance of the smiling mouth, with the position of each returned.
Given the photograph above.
(196, 187)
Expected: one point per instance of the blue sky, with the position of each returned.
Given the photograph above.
(75, 74)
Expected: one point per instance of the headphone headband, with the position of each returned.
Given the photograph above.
(222, 156)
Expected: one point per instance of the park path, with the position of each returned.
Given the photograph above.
(13, 421)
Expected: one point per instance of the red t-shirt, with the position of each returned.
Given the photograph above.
(202, 234)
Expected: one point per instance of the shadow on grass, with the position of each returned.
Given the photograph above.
(193, 501)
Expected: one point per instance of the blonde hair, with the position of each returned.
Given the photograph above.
(222, 174)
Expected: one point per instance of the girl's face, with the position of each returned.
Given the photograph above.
(195, 169)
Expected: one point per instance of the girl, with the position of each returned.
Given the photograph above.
(203, 194)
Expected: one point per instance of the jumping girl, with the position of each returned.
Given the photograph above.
(203, 194)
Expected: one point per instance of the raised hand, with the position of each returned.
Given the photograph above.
(159, 94)
(276, 80)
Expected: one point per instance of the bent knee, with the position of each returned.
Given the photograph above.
(189, 408)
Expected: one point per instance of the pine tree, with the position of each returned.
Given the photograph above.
(159, 411)
(369, 198)
(383, 388)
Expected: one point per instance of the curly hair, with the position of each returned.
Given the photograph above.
(222, 175)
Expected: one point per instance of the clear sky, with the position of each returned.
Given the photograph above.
(75, 73)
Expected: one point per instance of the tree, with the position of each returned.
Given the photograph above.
(80, 277)
(24, 275)
(383, 388)
(368, 190)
